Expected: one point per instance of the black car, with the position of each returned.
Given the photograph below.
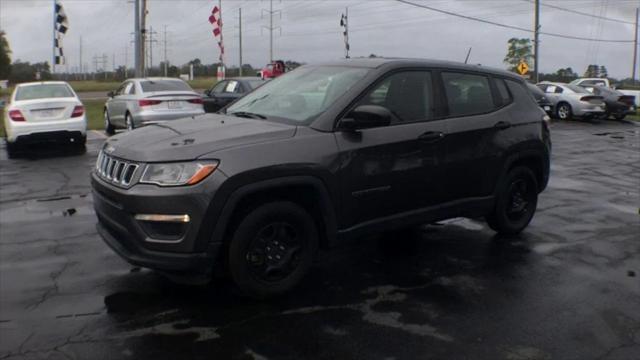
(618, 104)
(541, 99)
(226, 91)
(320, 154)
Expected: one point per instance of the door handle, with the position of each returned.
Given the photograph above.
(431, 136)
(502, 125)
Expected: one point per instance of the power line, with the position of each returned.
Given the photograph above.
(510, 26)
(582, 13)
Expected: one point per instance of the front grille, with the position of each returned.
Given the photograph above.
(116, 171)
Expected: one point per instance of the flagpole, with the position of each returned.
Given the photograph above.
(53, 43)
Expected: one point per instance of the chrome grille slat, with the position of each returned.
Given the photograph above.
(115, 171)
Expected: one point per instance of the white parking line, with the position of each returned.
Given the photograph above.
(96, 134)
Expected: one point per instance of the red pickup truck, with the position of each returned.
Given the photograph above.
(272, 70)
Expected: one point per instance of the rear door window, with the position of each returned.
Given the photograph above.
(467, 94)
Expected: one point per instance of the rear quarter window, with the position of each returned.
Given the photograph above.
(519, 92)
(503, 92)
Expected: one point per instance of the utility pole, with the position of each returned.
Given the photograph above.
(143, 45)
(151, 40)
(240, 35)
(536, 41)
(126, 61)
(81, 55)
(271, 12)
(136, 39)
(635, 48)
(113, 62)
(165, 51)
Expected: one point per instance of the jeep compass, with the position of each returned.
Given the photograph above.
(319, 154)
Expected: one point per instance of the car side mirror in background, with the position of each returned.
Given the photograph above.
(207, 92)
(366, 116)
(111, 94)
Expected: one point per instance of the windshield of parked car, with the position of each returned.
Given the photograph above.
(164, 85)
(43, 91)
(577, 89)
(299, 96)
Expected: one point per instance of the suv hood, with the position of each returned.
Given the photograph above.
(190, 138)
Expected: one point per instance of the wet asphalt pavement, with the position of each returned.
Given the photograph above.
(567, 288)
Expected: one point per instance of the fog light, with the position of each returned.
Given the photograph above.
(163, 218)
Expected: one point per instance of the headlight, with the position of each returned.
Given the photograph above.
(176, 174)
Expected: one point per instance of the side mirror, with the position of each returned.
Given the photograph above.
(111, 94)
(207, 92)
(366, 116)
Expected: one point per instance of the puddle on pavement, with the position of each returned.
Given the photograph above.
(40, 209)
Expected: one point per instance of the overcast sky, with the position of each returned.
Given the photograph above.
(309, 30)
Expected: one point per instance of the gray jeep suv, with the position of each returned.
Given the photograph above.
(322, 153)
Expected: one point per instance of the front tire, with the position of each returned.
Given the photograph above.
(564, 111)
(516, 202)
(109, 129)
(272, 249)
(620, 117)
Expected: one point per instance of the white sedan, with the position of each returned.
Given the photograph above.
(43, 112)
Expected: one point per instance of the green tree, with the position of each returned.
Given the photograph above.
(603, 72)
(592, 71)
(5, 56)
(518, 50)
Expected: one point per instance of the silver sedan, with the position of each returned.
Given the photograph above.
(138, 102)
(570, 100)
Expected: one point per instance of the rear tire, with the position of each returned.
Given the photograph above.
(516, 202)
(109, 129)
(564, 112)
(12, 150)
(129, 122)
(620, 117)
(272, 249)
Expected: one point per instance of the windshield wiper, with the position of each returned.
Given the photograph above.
(246, 114)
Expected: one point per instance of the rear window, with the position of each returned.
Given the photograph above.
(43, 91)
(577, 89)
(467, 94)
(164, 85)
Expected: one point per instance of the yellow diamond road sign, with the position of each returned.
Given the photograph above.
(522, 68)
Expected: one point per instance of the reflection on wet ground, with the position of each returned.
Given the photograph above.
(564, 289)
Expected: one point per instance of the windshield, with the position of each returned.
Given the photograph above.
(164, 85)
(577, 89)
(300, 95)
(43, 91)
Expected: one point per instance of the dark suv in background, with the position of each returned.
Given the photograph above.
(322, 153)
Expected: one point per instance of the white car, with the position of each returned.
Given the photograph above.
(43, 112)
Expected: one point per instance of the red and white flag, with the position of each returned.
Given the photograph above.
(216, 20)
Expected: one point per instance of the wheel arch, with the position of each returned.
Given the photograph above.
(292, 188)
(532, 159)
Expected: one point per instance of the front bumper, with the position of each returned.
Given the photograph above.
(191, 251)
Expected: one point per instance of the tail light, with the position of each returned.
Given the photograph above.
(627, 99)
(195, 101)
(77, 111)
(16, 115)
(148, 102)
(590, 98)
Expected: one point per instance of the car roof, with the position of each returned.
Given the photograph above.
(154, 79)
(405, 62)
(34, 83)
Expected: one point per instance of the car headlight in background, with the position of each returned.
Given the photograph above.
(177, 174)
